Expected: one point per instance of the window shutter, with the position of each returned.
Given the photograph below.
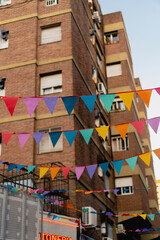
(51, 81)
(123, 182)
(52, 34)
(114, 70)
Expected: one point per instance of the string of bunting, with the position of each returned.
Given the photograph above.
(145, 157)
(70, 102)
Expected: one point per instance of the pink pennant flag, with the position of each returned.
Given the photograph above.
(154, 123)
(65, 171)
(138, 126)
(158, 90)
(31, 104)
(23, 138)
(79, 171)
(6, 137)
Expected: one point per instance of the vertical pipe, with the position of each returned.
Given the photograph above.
(4, 213)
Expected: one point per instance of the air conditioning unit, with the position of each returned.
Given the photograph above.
(96, 17)
(120, 229)
(90, 2)
(92, 31)
(5, 2)
(51, 3)
(4, 34)
(89, 216)
(101, 88)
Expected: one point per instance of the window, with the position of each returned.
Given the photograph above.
(5, 2)
(111, 38)
(114, 69)
(107, 185)
(51, 3)
(124, 185)
(118, 105)
(51, 84)
(118, 144)
(4, 39)
(51, 34)
(94, 74)
(2, 87)
(99, 61)
(46, 144)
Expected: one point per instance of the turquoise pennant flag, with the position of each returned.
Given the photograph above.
(107, 100)
(104, 167)
(118, 165)
(70, 135)
(19, 167)
(30, 168)
(69, 103)
(15, 190)
(54, 136)
(89, 101)
(151, 216)
(87, 133)
(11, 167)
(132, 162)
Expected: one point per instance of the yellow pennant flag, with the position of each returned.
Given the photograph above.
(103, 131)
(122, 129)
(157, 152)
(42, 171)
(54, 171)
(145, 95)
(127, 99)
(143, 216)
(146, 157)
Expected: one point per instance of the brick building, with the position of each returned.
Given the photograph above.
(121, 79)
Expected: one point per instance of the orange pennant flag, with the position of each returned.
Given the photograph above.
(103, 131)
(88, 192)
(122, 129)
(70, 206)
(145, 95)
(42, 171)
(143, 216)
(54, 171)
(127, 99)
(157, 152)
(146, 157)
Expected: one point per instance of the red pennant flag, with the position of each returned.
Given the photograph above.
(6, 137)
(65, 171)
(138, 126)
(10, 103)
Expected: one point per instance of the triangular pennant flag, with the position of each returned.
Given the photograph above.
(6, 137)
(151, 216)
(115, 191)
(54, 217)
(103, 131)
(54, 136)
(143, 216)
(11, 167)
(70, 206)
(146, 157)
(54, 171)
(30, 168)
(87, 133)
(157, 90)
(51, 103)
(104, 167)
(42, 171)
(65, 171)
(91, 170)
(138, 126)
(132, 162)
(107, 100)
(9, 187)
(57, 202)
(127, 99)
(89, 101)
(38, 136)
(118, 165)
(122, 129)
(19, 167)
(154, 123)
(10, 103)
(79, 171)
(69, 103)
(23, 137)
(70, 135)
(145, 96)
(15, 190)
(157, 152)
(31, 104)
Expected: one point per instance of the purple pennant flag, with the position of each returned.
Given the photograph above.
(51, 103)
(79, 171)
(91, 170)
(23, 138)
(31, 104)
(115, 191)
(154, 123)
(38, 136)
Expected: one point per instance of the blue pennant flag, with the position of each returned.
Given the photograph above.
(107, 100)
(54, 136)
(70, 135)
(89, 101)
(54, 217)
(19, 167)
(87, 133)
(118, 165)
(132, 162)
(9, 187)
(104, 167)
(69, 103)
(11, 167)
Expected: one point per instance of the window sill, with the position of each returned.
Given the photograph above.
(58, 151)
(41, 44)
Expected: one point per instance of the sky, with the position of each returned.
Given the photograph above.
(142, 21)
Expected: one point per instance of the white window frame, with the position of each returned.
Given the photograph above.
(51, 30)
(49, 84)
(122, 183)
(111, 38)
(4, 43)
(121, 145)
(5, 2)
(59, 145)
(50, 3)
(118, 105)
